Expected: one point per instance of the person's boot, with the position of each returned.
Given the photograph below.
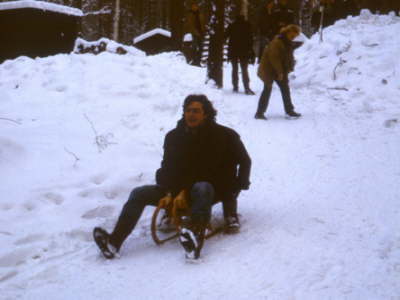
(189, 240)
(232, 224)
(235, 89)
(259, 116)
(248, 91)
(293, 114)
(102, 239)
(191, 237)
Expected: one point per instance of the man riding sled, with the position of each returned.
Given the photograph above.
(206, 160)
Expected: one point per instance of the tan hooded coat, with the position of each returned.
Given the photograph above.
(276, 59)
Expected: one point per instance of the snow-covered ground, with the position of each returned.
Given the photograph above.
(322, 217)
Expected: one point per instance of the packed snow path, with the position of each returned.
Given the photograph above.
(322, 217)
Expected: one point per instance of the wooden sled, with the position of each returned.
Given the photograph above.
(174, 212)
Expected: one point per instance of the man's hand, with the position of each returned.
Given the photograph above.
(181, 201)
(166, 200)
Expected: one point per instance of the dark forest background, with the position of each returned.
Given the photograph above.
(122, 20)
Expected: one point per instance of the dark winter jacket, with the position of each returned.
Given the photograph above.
(265, 23)
(281, 17)
(214, 154)
(277, 59)
(240, 37)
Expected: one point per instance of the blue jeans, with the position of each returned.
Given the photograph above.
(202, 198)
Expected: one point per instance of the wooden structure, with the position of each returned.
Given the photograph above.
(37, 28)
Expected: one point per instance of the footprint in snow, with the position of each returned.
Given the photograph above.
(98, 179)
(390, 123)
(54, 198)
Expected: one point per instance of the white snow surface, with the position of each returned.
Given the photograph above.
(41, 5)
(150, 33)
(320, 221)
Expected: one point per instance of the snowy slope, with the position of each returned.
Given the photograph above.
(322, 217)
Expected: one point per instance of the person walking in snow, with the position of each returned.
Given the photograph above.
(281, 16)
(276, 63)
(265, 26)
(207, 160)
(240, 51)
(195, 24)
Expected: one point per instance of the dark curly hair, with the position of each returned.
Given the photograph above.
(208, 108)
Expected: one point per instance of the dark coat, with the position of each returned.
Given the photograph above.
(281, 17)
(214, 154)
(265, 25)
(240, 37)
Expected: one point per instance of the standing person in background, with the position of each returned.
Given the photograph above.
(276, 64)
(265, 26)
(329, 9)
(346, 8)
(282, 16)
(195, 24)
(240, 51)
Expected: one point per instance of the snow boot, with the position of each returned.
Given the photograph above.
(191, 237)
(248, 91)
(260, 117)
(232, 224)
(190, 244)
(293, 114)
(102, 239)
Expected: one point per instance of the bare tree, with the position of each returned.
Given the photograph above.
(215, 55)
(176, 14)
(117, 14)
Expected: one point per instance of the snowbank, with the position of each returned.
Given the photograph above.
(357, 61)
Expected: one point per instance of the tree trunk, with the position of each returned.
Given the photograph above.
(215, 55)
(306, 11)
(117, 14)
(244, 10)
(176, 14)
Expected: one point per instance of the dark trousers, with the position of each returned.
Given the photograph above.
(244, 63)
(263, 42)
(202, 197)
(266, 94)
(197, 49)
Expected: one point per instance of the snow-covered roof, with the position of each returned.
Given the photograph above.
(41, 5)
(151, 33)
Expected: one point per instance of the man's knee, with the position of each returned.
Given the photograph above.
(203, 190)
(139, 197)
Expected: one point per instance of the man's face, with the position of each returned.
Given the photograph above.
(195, 7)
(194, 115)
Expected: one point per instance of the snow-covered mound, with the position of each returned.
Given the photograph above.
(320, 221)
(357, 61)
